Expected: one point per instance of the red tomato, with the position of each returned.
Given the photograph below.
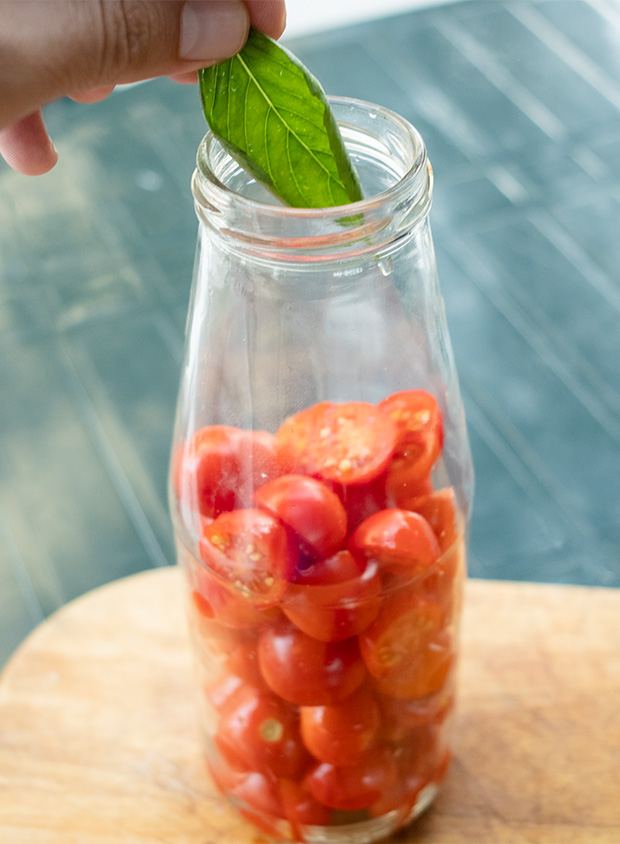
(348, 443)
(260, 732)
(354, 787)
(301, 809)
(251, 549)
(362, 500)
(257, 799)
(420, 439)
(219, 468)
(400, 541)
(243, 663)
(222, 605)
(308, 672)
(441, 511)
(335, 598)
(311, 510)
(407, 648)
(340, 733)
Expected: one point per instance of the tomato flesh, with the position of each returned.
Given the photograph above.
(407, 648)
(251, 549)
(348, 443)
(419, 423)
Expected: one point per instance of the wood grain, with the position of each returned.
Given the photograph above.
(99, 739)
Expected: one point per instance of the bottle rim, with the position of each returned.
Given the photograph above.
(398, 148)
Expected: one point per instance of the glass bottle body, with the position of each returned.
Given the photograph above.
(320, 489)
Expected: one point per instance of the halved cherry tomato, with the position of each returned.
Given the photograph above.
(335, 598)
(251, 549)
(347, 443)
(362, 500)
(220, 466)
(257, 799)
(407, 648)
(308, 672)
(220, 603)
(354, 787)
(301, 809)
(260, 732)
(401, 542)
(441, 511)
(341, 732)
(420, 440)
(306, 506)
(439, 508)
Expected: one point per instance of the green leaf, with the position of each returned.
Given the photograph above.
(273, 117)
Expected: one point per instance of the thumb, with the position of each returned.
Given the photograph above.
(52, 48)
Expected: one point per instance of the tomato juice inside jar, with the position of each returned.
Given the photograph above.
(320, 489)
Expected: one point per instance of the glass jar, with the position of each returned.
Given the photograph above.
(320, 490)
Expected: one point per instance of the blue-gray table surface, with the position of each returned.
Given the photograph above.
(519, 104)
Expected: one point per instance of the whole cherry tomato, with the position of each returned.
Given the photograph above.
(220, 466)
(347, 443)
(408, 648)
(340, 733)
(305, 671)
(400, 541)
(311, 510)
(354, 787)
(335, 598)
(260, 732)
(419, 444)
(252, 551)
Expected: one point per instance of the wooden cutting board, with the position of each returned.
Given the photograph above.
(99, 741)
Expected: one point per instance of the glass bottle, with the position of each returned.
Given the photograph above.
(320, 489)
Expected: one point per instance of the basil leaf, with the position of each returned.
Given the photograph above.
(273, 117)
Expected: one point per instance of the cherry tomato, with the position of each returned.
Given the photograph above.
(306, 506)
(407, 648)
(354, 787)
(335, 598)
(341, 732)
(308, 672)
(243, 662)
(256, 796)
(362, 500)
(301, 809)
(220, 603)
(420, 439)
(400, 541)
(219, 468)
(260, 732)
(440, 510)
(348, 443)
(251, 549)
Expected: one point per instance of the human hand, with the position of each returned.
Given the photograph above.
(83, 48)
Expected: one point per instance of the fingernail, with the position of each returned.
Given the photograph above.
(212, 29)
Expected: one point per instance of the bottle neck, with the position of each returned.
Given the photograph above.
(396, 177)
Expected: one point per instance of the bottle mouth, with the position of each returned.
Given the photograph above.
(389, 155)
